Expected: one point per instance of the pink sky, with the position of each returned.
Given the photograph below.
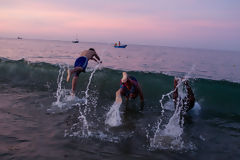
(188, 23)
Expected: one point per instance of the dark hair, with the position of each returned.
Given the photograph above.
(92, 49)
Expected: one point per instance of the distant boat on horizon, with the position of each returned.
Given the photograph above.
(19, 37)
(76, 41)
(122, 46)
(118, 45)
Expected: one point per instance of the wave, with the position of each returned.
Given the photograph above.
(220, 96)
(96, 115)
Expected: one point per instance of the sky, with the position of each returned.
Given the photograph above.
(210, 24)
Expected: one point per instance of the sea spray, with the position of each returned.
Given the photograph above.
(60, 92)
(85, 127)
(169, 137)
(64, 99)
(113, 118)
(196, 109)
(168, 95)
(89, 82)
(81, 128)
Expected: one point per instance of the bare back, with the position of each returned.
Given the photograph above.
(88, 53)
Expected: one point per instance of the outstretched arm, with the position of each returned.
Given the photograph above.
(98, 58)
(118, 96)
(94, 59)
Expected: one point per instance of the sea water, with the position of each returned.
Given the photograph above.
(38, 113)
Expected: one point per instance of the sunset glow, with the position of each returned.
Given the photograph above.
(188, 23)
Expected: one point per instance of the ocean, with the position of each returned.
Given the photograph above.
(39, 119)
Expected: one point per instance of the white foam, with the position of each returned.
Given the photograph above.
(169, 136)
(89, 82)
(113, 117)
(196, 109)
(202, 138)
(59, 92)
(64, 99)
(81, 128)
(169, 105)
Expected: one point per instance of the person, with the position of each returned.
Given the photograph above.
(185, 101)
(130, 88)
(81, 64)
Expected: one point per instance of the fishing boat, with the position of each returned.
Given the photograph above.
(121, 46)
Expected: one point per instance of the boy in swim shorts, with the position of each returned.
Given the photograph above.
(80, 65)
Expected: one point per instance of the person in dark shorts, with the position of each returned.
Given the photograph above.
(130, 88)
(80, 65)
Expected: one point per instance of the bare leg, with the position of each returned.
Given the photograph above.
(74, 83)
(76, 69)
(70, 72)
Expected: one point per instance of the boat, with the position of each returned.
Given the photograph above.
(118, 45)
(19, 37)
(76, 41)
(121, 46)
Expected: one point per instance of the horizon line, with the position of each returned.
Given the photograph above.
(149, 45)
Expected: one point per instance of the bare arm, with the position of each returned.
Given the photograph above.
(118, 96)
(94, 59)
(98, 58)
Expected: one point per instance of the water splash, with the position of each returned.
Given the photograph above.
(196, 109)
(64, 99)
(81, 128)
(169, 136)
(89, 82)
(113, 118)
(60, 92)
(83, 123)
